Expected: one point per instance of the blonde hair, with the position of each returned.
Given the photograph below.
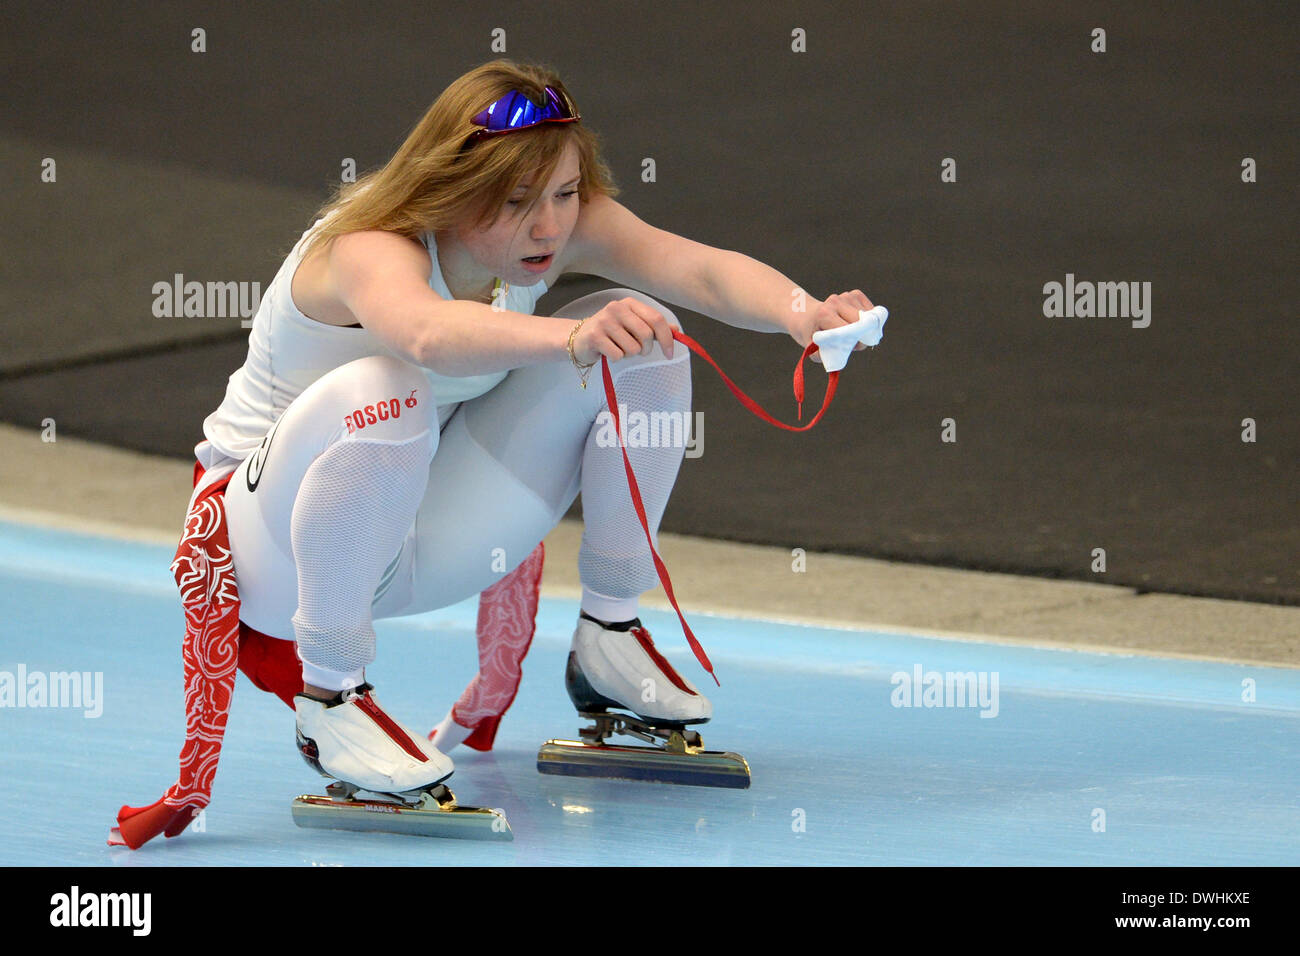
(434, 181)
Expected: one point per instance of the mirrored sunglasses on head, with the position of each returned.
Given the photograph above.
(515, 111)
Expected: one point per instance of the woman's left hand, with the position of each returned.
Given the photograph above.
(836, 310)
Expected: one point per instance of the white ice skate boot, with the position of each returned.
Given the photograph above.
(622, 684)
(622, 669)
(352, 740)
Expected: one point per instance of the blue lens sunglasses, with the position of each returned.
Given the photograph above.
(515, 111)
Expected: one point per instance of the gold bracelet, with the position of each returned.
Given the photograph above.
(583, 370)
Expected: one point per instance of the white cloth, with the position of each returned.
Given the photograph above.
(834, 345)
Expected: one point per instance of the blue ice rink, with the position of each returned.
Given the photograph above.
(1184, 770)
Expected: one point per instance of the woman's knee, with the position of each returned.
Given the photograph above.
(589, 305)
(651, 301)
(675, 371)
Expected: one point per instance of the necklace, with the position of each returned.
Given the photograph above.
(499, 291)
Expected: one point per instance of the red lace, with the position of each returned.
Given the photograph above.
(611, 399)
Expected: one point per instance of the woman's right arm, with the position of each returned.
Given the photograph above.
(383, 280)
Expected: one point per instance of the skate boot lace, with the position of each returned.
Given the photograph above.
(642, 637)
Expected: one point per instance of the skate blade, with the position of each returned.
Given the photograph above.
(449, 821)
(700, 768)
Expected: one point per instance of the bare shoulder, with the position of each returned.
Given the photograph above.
(375, 250)
(611, 241)
(328, 279)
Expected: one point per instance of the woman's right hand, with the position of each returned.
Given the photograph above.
(622, 328)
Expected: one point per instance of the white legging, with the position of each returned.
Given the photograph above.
(333, 526)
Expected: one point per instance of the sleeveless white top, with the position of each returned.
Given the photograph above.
(288, 351)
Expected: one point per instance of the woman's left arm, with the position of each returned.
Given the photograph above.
(609, 240)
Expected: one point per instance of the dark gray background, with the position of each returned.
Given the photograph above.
(1072, 433)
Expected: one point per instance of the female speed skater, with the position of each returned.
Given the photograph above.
(403, 417)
